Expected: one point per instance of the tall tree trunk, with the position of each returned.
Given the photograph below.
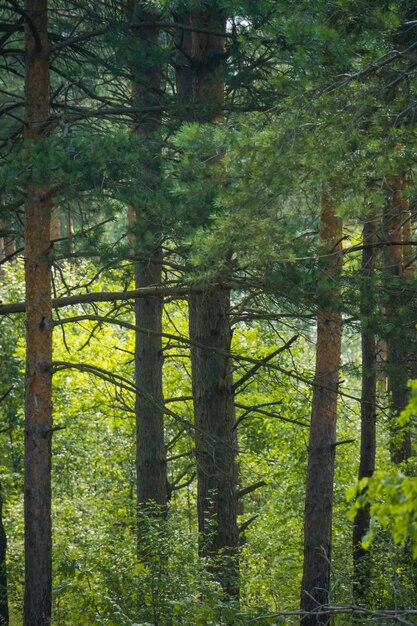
(38, 402)
(399, 330)
(409, 276)
(4, 604)
(361, 557)
(200, 87)
(184, 72)
(150, 450)
(146, 239)
(215, 437)
(315, 590)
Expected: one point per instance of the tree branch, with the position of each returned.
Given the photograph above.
(6, 393)
(246, 490)
(29, 22)
(258, 409)
(77, 39)
(246, 524)
(262, 362)
(106, 296)
(9, 31)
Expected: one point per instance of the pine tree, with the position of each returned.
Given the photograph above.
(315, 589)
(38, 399)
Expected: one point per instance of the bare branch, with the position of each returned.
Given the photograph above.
(263, 361)
(246, 524)
(246, 490)
(6, 393)
(29, 22)
(77, 39)
(106, 296)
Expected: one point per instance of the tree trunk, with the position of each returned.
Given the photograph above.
(399, 330)
(409, 276)
(38, 402)
(146, 241)
(184, 72)
(200, 85)
(208, 62)
(215, 437)
(4, 604)
(315, 591)
(361, 557)
(151, 457)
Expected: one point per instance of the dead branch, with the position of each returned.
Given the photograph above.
(246, 490)
(249, 374)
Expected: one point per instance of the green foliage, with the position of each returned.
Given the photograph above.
(392, 497)
(316, 92)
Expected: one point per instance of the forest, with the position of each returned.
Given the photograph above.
(208, 312)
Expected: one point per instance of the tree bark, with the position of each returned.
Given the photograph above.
(4, 604)
(361, 557)
(150, 452)
(38, 402)
(200, 67)
(215, 437)
(184, 72)
(399, 332)
(214, 415)
(145, 238)
(315, 590)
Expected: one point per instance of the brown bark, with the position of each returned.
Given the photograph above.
(184, 69)
(145, 241)
(200, 77)
(315, 590)
(399, 333)
(361, 557)
(38, 403)
(208, 63)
